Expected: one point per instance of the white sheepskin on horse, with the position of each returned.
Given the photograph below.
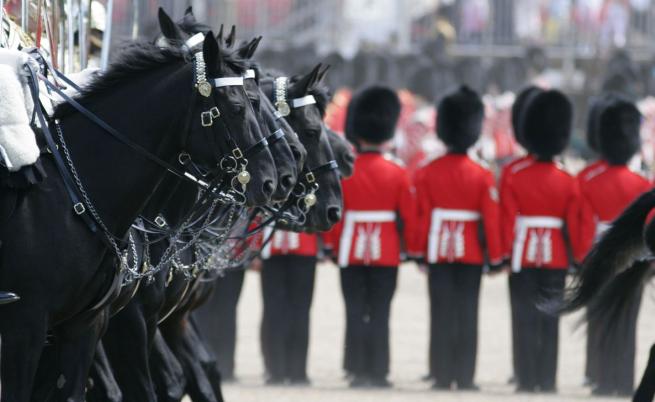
(18, 146)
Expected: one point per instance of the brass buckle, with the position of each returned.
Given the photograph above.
(310, 177)
(236, 152)
(215, 112)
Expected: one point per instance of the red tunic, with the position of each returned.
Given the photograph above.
(539, 201)
(508, 170)
(289, 243)
(606, 191)
(378, 205)
(455, 196)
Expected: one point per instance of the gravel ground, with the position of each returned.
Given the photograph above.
(409, 340)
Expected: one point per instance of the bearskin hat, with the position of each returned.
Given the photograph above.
(517, 108)
(546, 123)
(618, 131)
(372, 115)
(597, 106)
(459, 119)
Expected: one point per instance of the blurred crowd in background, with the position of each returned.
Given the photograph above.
(425, 47)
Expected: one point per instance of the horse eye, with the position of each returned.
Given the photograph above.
(313, 132)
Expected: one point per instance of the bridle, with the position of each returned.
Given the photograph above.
(225, 172)
(303, 196)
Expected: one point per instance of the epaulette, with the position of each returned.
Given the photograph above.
(521, 165)
(594, 172)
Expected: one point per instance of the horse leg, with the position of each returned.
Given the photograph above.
(176, 333)
(646, 390)
(73, 354)
(23, 336)
(206, 357)
(104, 387)
(126, 343)
(167, 373)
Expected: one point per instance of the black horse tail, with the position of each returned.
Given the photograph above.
(617, 249)
(612, 308)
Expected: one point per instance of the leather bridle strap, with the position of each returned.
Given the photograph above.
(121, 138)
(69, 182)
(275, 136)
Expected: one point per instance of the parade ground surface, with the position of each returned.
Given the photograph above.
(409, 340)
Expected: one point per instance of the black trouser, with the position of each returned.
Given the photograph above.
(515, 337)
(287, 289)
(615, 370)
(454, 299)
(217, 320)
(368, 291)
(537, 331)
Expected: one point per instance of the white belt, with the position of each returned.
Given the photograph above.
(353, 217)
(523, 224)
(439, 215)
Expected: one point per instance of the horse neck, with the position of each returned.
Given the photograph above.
(119, 180)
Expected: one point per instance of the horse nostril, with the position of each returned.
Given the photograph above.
(334, 214)
(268, 188)
(287, 181)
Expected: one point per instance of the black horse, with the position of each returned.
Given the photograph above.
(148, 96)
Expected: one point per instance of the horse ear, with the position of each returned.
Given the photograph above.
(248, 50)
(211, 51)
(168, 28)
(305, 84)
(253, 46)
(219, 37)
(189, 18)
(244, 50)
(229, 41)
(321, 75)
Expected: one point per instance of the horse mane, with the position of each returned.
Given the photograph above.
(134, 59)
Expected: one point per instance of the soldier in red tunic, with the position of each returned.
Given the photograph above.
(596, 106)
(288, 271)
(540, 202)
(507, 170)
(606, 190)
(449, 226)
(378, 210)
